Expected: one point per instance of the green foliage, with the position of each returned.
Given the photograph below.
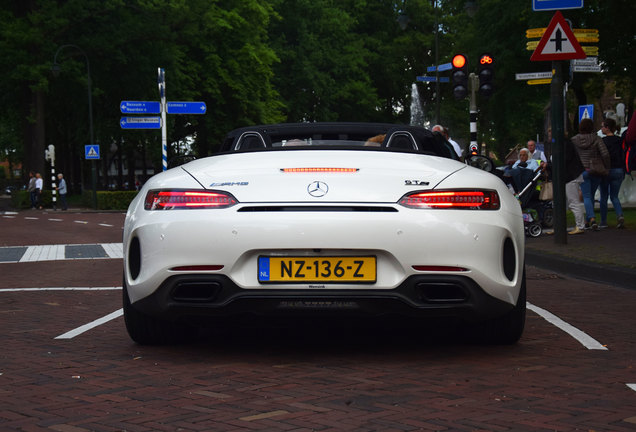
(119, 200)
(265, 62)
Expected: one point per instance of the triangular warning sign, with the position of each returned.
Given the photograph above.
(92, 152)
(558, 42)
(586, 114)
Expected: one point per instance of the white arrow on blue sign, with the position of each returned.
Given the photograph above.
(140, 122)
(546, 5)
(140, 107)
(186, 107)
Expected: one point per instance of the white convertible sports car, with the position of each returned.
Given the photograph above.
(325, 220)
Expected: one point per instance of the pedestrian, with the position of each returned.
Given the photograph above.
(596, 160)
(573, 179)
(39, 185)
(61, 189)
(444, 131)
(611, 185)
(535, 153)
(525, 161)
(31, 190)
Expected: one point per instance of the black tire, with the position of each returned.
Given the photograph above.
(548, 218)
(535, 230)
(506, 329)
(148, 330)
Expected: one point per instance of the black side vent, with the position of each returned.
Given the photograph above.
(295, 208)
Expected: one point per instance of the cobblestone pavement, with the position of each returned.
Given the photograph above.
(294, 376)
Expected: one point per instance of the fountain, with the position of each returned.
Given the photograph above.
(417, 113)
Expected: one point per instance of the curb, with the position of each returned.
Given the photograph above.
(618, 276)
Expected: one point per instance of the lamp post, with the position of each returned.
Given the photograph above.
(55, 68)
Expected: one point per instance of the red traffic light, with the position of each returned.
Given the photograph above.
(485, 59)
(459, 61)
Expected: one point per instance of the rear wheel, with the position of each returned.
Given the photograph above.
(506, 329)
(548, 218)
(148, 330)
(534, 229)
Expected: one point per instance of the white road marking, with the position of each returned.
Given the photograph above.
(56, 220)
(81, 222)
(582, 337)
(114, 250)
(632, 386)
(31, 218)
(60, 289)
(8, 217)
(43, 253)
(79, 330)
(106, 225)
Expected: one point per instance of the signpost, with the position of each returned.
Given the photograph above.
(186, 107)
(426, 78)
(91, 152)
(558, 43)
(140, 122)
(162, 107)
(547, 5)
(586, 111)
(140, 107)
(533, 76)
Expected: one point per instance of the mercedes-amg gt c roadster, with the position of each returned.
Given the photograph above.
(361, 220)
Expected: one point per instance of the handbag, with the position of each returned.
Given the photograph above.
(597, 167)
(546, 192)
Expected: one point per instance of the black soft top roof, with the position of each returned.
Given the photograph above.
(426, 141)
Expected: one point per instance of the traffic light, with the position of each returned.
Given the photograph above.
(459, 76)
(486, 75)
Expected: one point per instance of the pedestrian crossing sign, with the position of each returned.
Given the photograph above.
(586, 111)
(91, 151)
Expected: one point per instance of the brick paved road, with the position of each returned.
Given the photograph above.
(295, 377)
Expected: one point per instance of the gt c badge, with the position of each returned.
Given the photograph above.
(317, 189)
(415, 183)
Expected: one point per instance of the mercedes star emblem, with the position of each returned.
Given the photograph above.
(317, 189)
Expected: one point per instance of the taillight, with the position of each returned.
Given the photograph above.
(452, 199)
(187, 199)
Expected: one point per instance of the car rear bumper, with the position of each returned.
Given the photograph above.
(196, 296)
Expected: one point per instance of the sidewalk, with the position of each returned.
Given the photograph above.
(607, 256)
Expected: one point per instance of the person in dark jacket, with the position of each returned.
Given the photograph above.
(591, 149)
(611, 185)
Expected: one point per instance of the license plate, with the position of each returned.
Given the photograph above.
(317, 269)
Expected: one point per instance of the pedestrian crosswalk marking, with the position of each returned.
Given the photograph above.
(21, 254)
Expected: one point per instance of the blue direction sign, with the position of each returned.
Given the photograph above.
(91, 151)
(186, 107)
(140, 107)
(440, 68)
(140, 122)
(432, 79)
(547, 5)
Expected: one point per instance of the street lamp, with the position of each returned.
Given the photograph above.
(56, 68)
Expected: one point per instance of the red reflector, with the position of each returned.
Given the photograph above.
(180, 199)
(197, 268)
(438, 268)
(472, 200)
(319, 170)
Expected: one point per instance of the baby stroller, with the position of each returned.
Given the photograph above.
(524, 182)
